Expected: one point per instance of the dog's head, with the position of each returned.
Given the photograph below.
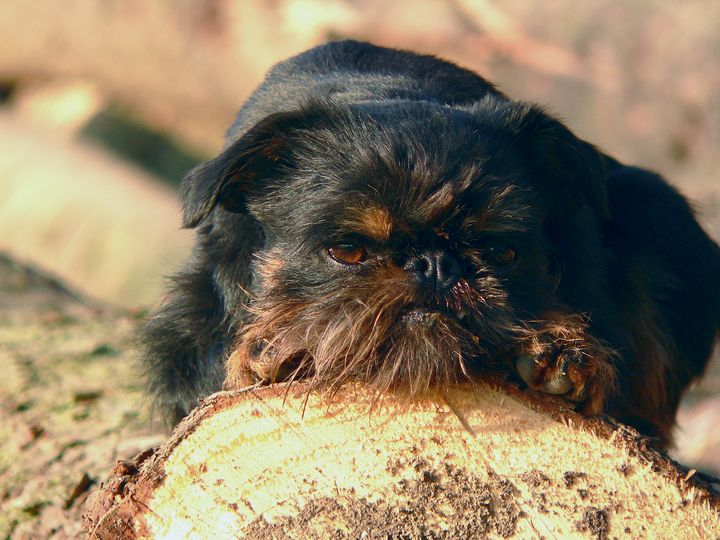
(405, 242)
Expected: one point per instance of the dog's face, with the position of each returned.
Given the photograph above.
(403, 245)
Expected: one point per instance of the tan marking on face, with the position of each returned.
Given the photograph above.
(440, 202)
(271, 150)
(394, 276)
(268, 266)
(503, 212)
(373, 221)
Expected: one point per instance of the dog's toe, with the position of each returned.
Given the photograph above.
(539, 377)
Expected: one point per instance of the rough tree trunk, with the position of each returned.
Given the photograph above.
(488, 461)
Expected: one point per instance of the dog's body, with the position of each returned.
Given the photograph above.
(389, 217)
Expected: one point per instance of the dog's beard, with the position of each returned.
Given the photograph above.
(383, 332)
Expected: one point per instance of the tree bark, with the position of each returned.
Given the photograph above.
(482, 461)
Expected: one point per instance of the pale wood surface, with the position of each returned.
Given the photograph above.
(482, 461)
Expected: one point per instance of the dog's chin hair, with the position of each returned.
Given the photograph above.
(330, 342)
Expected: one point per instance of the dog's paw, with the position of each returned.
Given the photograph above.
(563, 359)
(548, 374)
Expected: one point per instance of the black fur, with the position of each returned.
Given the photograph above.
(613, 243)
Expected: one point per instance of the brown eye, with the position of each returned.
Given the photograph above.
(501, 256)
(348, 253)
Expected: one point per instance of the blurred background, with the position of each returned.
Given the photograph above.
(105, 104)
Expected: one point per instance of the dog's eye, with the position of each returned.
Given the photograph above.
(348, 253)
(501, 256)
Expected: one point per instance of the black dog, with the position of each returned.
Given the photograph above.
(388, 217)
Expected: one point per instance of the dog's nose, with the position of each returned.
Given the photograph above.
(437, 270)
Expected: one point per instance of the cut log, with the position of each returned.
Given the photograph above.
(482, 461)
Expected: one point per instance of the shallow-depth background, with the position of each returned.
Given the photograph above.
(104, 105)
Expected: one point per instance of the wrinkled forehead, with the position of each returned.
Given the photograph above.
(396, 201)
(379, 177)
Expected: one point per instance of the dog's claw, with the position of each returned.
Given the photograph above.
(526, 366)
(558, 386)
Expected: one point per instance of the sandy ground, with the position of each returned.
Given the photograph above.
(70, 402)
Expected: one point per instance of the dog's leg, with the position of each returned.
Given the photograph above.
(183, 346)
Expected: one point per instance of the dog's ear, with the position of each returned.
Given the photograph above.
(261, 154)
(570, 170)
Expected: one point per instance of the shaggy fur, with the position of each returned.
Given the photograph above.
(386, 217)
